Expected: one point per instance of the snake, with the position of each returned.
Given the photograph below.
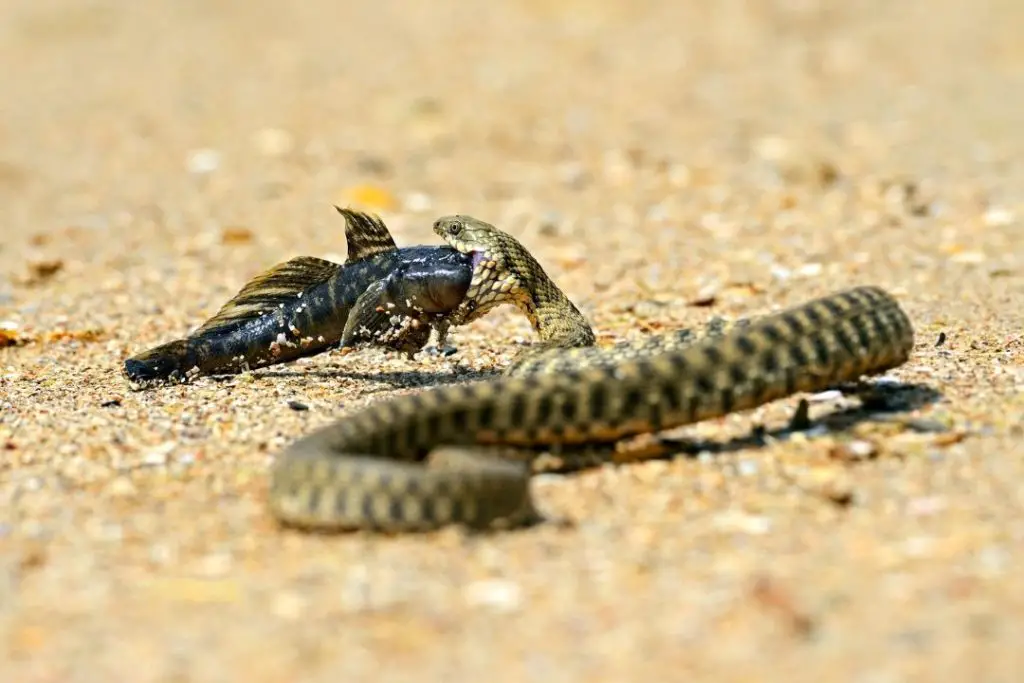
(465, 454)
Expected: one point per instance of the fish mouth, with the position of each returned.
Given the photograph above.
(148, 370)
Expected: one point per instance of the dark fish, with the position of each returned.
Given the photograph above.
(382, 295)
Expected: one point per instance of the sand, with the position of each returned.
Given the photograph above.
(666, 162)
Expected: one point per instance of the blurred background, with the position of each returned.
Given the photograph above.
(135, 133)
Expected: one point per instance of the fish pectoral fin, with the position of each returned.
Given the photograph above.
(370, 322)
(365, 234)
(278, 285)
(369, 316)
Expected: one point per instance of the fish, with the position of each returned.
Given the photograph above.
(382, 295)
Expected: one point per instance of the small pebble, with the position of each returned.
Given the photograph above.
(862, 450)
(499, 594)
(825, 396)
(31, 484)
(297, 405)
(159, 455)
(772, 148)
(202, 161)
(810, 269)
(998, 217)
(755, 525)
(748, 468)
(186, 458)
(968, 257)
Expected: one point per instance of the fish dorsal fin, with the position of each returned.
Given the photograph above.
(278, 285)
(365, 234)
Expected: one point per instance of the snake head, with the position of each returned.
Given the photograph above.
(487, 245)
(471, 236)
(496, 256)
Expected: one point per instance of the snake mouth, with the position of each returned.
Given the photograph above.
(477, 257)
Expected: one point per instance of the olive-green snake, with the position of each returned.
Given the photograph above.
(464, 453)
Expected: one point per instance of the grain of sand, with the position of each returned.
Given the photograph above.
(654, 155)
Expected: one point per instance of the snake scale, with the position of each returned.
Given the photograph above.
(464, 453)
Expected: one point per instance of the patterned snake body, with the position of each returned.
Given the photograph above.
(464, 453)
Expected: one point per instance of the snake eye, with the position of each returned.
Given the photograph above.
(455, 228)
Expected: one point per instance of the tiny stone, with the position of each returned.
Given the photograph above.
(499, 594)
(772, 148)
(186, 458)
(969, 257)
(747, 468)
(202, 161)
(998, 217)
(158, 456)
(297, 405)
(824, 396)
(862, 449)
(755, 525)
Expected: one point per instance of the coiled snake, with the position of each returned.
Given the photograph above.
(464, 453)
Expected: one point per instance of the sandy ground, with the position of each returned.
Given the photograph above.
(654, 155)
